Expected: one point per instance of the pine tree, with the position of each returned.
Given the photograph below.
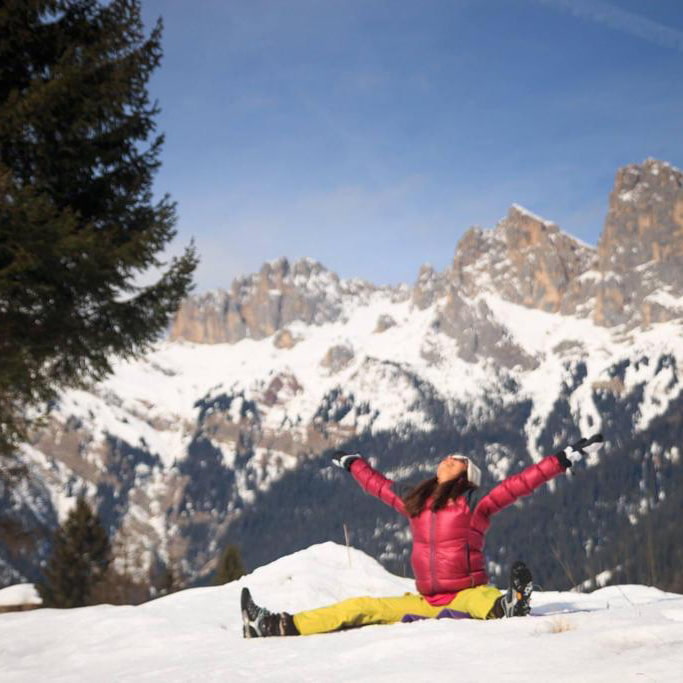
(78, 221)
(168, 582)
(80, 556)
(230, 566)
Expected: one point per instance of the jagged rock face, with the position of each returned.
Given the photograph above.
(204, 319)
(259, 305)
(429, 287)
(477, 332)
(525, 259)
(641, 249)
(634, 277)
(645, 219)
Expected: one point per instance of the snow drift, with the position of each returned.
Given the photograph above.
(616, 633)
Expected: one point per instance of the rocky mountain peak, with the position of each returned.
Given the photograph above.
(645, 218)
(525, 229)
(634, 277)
(262, 303)
(279, 276)
(641, 248)
(525, 258)
(649, 182)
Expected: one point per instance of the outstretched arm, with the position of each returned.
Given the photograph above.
(369, 479)
(529, 479)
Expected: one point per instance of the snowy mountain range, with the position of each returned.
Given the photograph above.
(528, 339)
(619, 633)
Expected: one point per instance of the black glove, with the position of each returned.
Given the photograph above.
(583, 447)
(344, 459)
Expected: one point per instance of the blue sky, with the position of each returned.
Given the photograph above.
(371, 134)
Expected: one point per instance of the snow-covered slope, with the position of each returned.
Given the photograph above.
(621, 633)
(190, 433)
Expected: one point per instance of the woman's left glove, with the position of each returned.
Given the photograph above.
(344, 459)
(583, 447)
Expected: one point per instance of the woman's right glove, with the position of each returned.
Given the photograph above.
(344, 459)
(583, 447)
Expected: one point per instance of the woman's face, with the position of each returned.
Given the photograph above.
(450, 468)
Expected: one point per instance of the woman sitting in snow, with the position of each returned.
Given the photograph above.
(448, 528)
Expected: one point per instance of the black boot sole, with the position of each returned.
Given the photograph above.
(245, 603)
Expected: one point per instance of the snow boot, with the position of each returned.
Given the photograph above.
(258, 622)
(516, 602)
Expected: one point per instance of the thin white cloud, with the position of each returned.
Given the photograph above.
(621, 20)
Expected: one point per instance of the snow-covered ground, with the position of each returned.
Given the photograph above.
(621, 633)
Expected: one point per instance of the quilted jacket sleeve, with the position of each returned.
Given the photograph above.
(376, 484)
(514, 487)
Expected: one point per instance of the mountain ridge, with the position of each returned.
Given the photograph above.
(525, 258)
(501, 355)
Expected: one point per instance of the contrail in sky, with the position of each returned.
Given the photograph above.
(621, 20)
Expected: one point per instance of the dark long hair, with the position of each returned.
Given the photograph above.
(416, 499)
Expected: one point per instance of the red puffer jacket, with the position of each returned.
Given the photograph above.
(448, 545)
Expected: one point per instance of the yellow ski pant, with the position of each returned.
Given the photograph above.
(477, 602)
